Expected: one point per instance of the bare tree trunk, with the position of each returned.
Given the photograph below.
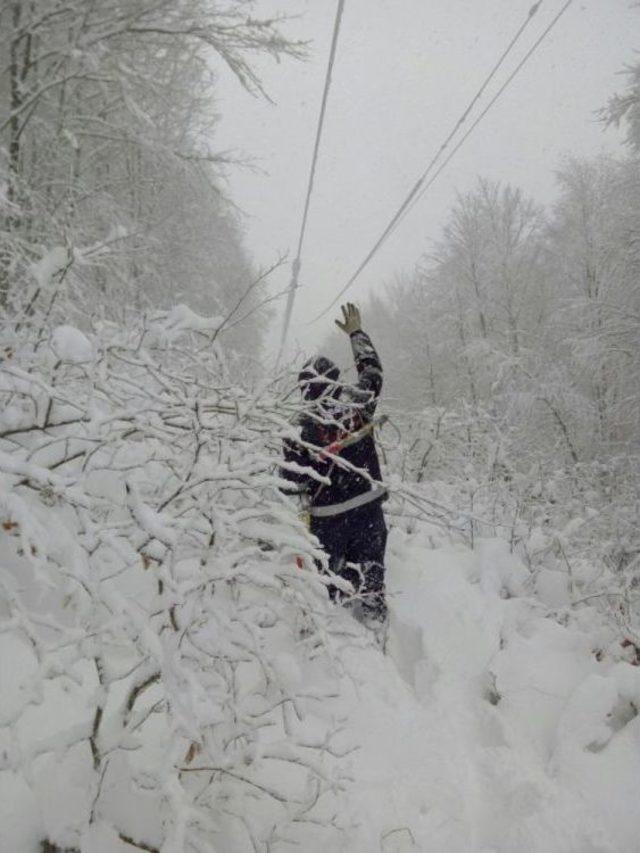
(465, 355)
(16, 79)
(479, 302)
(15, 101)
(432, 376)
(563, 428)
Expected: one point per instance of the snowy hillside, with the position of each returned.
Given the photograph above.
(172, 681)
(513, 736)
(488, 727)
(181, 405)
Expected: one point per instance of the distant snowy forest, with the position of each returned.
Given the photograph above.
(170, 679)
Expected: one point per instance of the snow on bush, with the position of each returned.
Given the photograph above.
(71, 345)
(171, 681)
(574, 527)
(167, 669)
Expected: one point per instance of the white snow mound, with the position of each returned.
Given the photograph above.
(71, 345)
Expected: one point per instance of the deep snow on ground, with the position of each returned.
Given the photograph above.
(487, 727)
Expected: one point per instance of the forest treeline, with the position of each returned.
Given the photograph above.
(511, 350)
(512, 356)
(106, 151)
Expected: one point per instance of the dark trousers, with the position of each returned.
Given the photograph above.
(355, 542)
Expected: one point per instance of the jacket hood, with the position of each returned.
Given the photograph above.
(318, 378)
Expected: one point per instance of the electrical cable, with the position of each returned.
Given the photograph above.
(418, 189)
(486, 109)
(295, 267)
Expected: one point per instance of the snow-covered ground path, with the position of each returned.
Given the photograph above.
(489, 726)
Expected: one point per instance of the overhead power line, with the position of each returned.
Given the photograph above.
(295, 267)
(419, 188)
(487, 108)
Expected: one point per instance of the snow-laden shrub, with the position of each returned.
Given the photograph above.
(573, 525)
(169, 671)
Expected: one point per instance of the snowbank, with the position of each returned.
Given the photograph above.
(168, 676)
(487, 727)
(71, 345)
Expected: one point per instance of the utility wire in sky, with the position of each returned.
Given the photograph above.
(485, 111)
(419, 188)
(295, 267)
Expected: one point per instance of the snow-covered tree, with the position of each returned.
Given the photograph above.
(594, 266)
(106, 142)
(625, 108)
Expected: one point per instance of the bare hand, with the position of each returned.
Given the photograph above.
(351, 318)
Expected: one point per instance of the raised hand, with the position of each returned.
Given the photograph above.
(350, 319)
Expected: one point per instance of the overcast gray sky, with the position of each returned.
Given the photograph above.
(404, 71)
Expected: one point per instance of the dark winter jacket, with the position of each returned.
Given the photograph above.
(333, 417)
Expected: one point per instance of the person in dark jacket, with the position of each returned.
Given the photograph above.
(336, 441)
